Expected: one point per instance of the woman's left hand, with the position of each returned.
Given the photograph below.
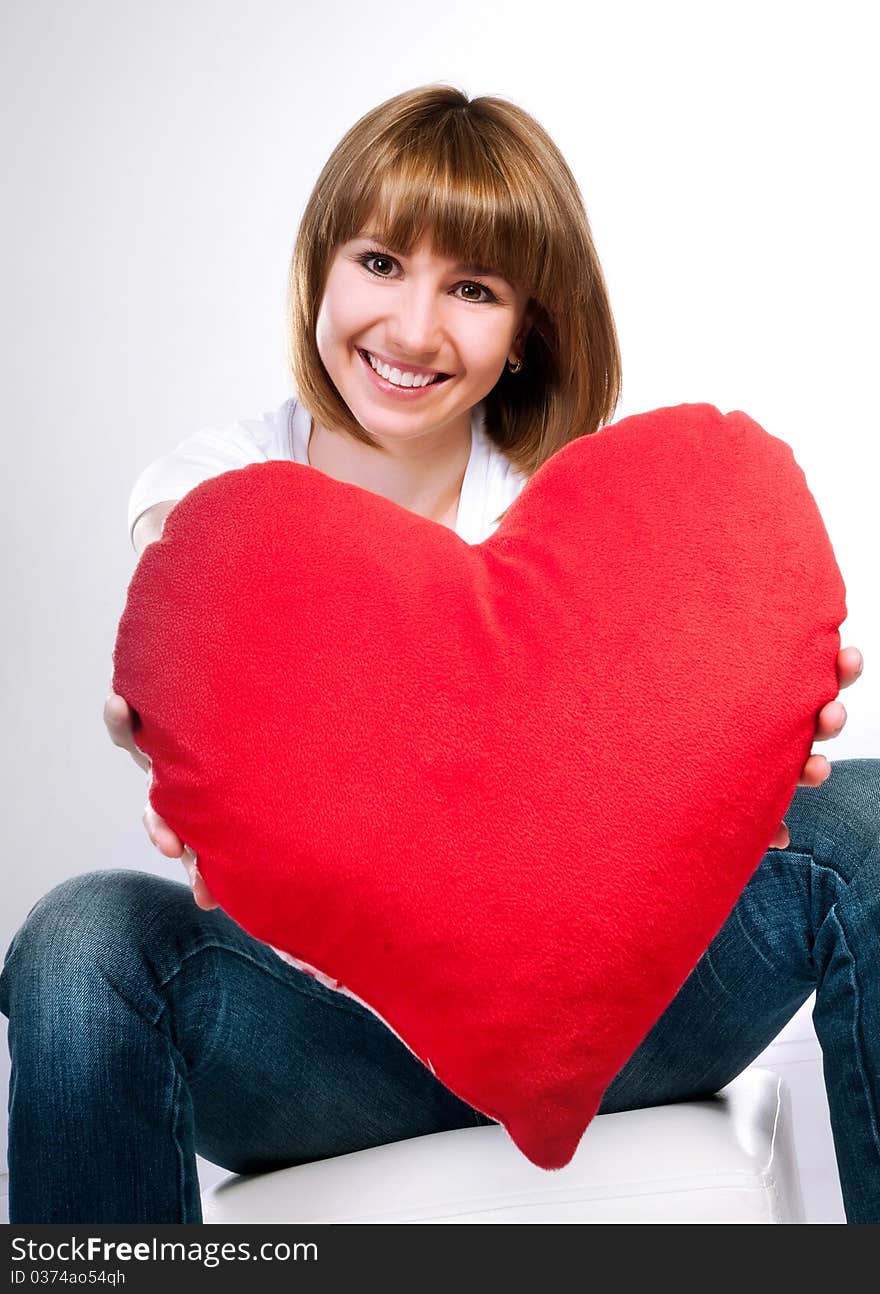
(829, 724)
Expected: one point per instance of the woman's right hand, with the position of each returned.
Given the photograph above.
(119, 723)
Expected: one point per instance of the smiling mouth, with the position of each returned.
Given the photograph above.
(371, 361)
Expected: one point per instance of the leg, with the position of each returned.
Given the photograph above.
(809, 919)
(144, 1030)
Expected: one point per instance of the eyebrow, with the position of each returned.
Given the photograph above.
(459, 269)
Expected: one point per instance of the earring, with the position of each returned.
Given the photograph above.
(515, 366)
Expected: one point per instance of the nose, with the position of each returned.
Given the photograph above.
(415, 326)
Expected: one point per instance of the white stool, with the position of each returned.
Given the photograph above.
(729, 1158)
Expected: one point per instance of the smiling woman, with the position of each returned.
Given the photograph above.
(412, 348)
(447, 235)
(446, 239)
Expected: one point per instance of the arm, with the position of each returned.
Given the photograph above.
(207, 453)
(149, 524)
(119, 724)
(157, 490)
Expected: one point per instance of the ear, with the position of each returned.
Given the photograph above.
(525, 327)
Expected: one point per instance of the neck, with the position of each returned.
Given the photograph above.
(424, 474)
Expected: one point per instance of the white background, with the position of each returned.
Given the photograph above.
(157, 159)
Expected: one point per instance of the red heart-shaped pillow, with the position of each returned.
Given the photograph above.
(506, 793)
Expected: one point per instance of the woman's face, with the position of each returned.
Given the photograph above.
(420, 314)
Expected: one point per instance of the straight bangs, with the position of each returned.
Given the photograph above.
(487, 186)
(449, 189)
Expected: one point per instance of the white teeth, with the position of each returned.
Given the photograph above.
(394, 374)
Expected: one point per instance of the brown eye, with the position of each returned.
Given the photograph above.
(379, 259)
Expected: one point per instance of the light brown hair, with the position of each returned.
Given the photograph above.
(490, 187)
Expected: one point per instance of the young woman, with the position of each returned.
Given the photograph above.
(449, 330)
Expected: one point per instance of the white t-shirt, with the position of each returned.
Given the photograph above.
(490, 485)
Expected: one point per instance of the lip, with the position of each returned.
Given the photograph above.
(399, 392)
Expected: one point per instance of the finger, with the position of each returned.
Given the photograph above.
(118, 722)
(188, 859)
(165, 840)
(816, 770)
(782, 839)
(143, 761)
(117, 719)
(114, 711)
(202, 895)
(830, 722)
(850, 664)
(190, 862)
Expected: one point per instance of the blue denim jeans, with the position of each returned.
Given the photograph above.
(144, 1030)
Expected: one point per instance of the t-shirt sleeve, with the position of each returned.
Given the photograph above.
(207, 453)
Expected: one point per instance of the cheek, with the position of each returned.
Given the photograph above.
(341, 316)
(321, 333)
(487, 359)
(485, 346)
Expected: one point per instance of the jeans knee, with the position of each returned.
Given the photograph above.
(89, 906)
(856, 783)
(852, 796)
(96, 919)
(838, 822)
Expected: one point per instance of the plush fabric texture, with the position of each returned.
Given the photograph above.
(505, 794)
